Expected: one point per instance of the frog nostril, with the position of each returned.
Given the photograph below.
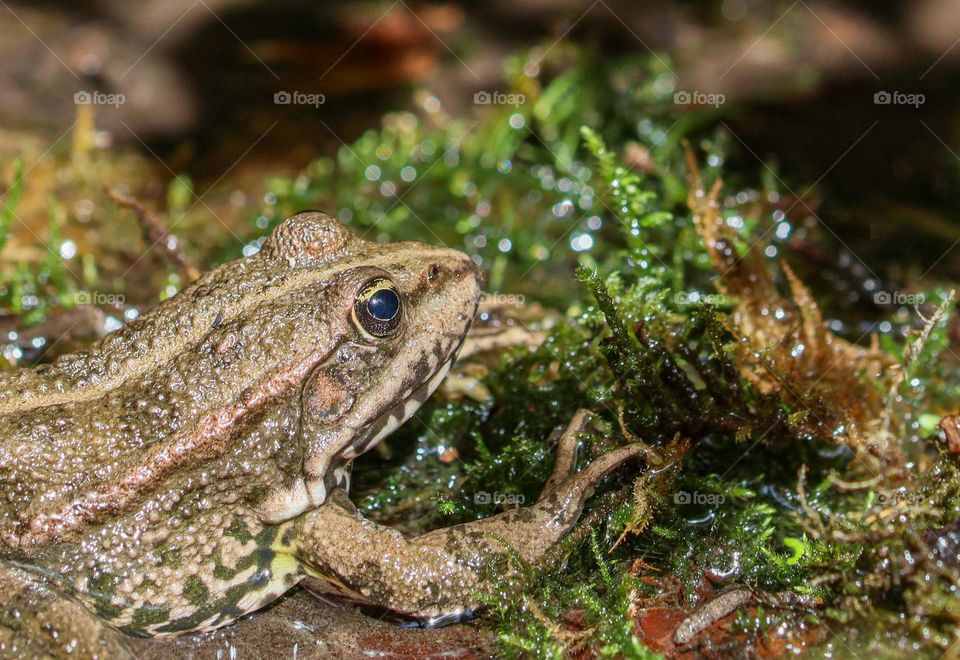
(433, 272)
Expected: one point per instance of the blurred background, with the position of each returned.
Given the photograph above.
(223, 116)
(189, 89)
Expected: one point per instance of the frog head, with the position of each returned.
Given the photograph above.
(399, 313)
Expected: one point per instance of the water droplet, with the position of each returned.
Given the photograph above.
(68, 249)
(581, 242)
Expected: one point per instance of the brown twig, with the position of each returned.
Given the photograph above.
(155, 233)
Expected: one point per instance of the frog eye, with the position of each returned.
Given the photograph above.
(378, 310)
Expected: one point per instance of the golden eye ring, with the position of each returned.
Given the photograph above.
(378, 309)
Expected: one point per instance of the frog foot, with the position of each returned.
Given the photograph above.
(449, 572)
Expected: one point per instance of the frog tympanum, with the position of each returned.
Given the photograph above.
(193, 465)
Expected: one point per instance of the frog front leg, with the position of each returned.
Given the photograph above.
(448, 571)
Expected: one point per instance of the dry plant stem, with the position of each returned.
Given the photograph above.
(155, 233)
(910, 355)
(792, 354)
(850, 486)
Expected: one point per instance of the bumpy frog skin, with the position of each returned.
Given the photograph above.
(193, 466)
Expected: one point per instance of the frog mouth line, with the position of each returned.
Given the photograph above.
(309, 492)
(306, 495)
(381, 427)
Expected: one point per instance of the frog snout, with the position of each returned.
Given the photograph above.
(441, 273)
(478, 272)
(465, 270)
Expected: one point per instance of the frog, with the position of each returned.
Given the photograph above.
(194, 465)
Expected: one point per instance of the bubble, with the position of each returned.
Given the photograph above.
(431, 104)
(84, 209)
(664, 84)
(68, 249)
(581, 242)
(563, 209)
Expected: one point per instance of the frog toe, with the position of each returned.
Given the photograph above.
(567, 490)
(566, 461)
(564, 500)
